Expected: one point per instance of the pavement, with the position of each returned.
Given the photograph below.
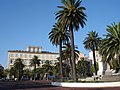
(41, 85)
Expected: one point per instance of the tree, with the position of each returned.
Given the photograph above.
(47, 68)
(7, 72)
(82, 67)
(110, 46)
(67, 55)
(1, 73)
(57, 36)
(71, 16)
(27, 72)
(91, 43)
(35, 61)
(56, 69)
(18, 65)
(40, 73)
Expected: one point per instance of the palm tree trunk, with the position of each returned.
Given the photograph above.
(19, 74)
(71, 68)
(60, 51)
(34, 71)
(73, 53)
(94, 61)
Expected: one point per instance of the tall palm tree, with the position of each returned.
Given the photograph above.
(18, 65)
(35, 61)
(91, 43)
(72, 16)
(110, 46)
(67, 54)
(57, 36)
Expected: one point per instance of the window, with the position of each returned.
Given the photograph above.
(47, 56)
(21, 55)
(26, 56)
(30, 56)
(11, 61)
(11, 55)
(16, 55)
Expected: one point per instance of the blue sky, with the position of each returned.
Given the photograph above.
(28, 22)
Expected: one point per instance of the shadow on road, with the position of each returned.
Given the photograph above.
(11, 85)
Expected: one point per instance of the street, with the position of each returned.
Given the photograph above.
(41, 85)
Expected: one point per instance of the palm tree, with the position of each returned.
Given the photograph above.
(67, 54)
(47, 68)
(56, 69)
(7, 72)
(27, 72)
(18, 65)
(57, 36)
(110, 46)
(91, 43)
(35, 61)
(13, 72)
(82, 67)
(71, 16)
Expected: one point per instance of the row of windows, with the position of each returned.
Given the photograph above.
(28, 61)
(43, 56)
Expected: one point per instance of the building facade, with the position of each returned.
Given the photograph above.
(98, 60)
(29, 53)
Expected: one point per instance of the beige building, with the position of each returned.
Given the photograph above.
(81, 55)
(29, 53)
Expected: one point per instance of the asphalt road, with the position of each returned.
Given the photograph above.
(41, 85)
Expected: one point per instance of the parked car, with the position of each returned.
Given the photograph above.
(24, 78)
(3, 79)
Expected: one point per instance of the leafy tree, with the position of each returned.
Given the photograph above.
(71, 16)
(82, 67)
(40, 72)
(18, 65)
(114, 64)
(35, 61)
(27, 72)
(91, 42)
(1, 73)
(57, 36)
(56, 69)
(6, 72)
(92, 69)
(13, 72)
(47, 68)
(110, 45)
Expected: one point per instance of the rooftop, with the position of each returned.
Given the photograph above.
(32, 49)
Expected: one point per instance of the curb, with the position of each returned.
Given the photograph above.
(104, 84)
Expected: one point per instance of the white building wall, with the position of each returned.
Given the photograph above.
(98, 59)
